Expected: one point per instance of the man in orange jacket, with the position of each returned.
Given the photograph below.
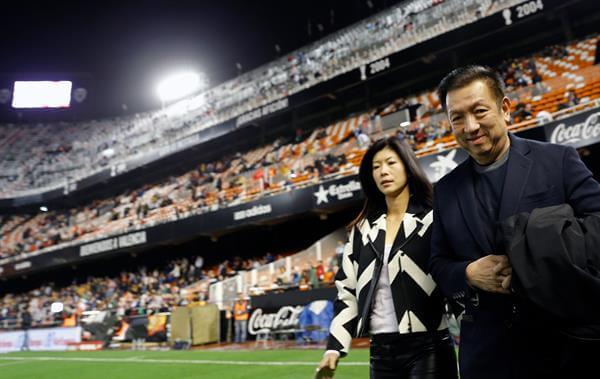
(241, 313)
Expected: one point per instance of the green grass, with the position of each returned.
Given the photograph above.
(115, 364)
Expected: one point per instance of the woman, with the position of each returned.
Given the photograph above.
(384, 287)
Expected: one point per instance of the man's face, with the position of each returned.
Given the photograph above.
(478, 125)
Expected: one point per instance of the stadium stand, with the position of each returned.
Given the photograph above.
(178, 283)
(43, 157)
(327, 152)
(556, 81)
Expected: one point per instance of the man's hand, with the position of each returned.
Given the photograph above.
(491, 273)
(327, 365)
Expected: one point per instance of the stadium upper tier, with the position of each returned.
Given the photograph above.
(268, 169)
(334, 150)
(36, 158)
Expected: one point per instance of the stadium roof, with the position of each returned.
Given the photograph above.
(120, 49)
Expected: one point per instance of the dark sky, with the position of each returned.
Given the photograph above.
(120, 49)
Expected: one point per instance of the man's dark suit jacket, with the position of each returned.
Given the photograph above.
(500, 336)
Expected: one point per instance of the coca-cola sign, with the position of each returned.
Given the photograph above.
(579, 130)
(286, 318)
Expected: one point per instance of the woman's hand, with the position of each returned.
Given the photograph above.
(327, 365)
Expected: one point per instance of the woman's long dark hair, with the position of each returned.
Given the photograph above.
(419, 186)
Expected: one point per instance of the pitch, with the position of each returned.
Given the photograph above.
(204, 364)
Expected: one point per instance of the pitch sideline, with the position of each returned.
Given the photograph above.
(175, 361)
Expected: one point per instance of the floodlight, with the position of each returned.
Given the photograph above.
(179, 85)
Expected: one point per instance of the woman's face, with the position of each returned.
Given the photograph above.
(389, 173)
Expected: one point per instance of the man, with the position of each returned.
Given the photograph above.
(362, 139)
(25, 325)
(241, 311)
(502, 336)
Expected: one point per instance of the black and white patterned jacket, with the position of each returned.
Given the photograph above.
(418, 303)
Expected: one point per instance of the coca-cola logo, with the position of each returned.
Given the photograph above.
(286, 318)
(587, 130)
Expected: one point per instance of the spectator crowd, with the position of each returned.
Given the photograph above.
(147, 291)
(39, 157)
